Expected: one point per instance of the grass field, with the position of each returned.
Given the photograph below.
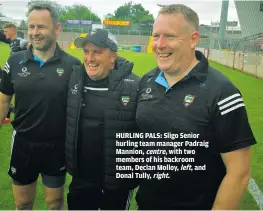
(250, 87)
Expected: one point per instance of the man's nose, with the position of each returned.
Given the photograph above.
(35, 31)
(161, 42)
(90, 57)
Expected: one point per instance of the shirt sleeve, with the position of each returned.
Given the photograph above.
(6, 85)
(3, 38)
(230, 120)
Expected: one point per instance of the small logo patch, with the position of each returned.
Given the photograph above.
(60, 71)
(202, 84)
(125, 100)
(13, 170)
(147, 95)
(24, 69)
(74, 90)
(188, 100)
(24, 72)
(148, 90)
(149, 79)
(129, 80)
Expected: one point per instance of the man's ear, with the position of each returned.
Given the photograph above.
(195, 39)
(114, 57)
(58, 28)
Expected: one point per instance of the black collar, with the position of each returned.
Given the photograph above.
(30, 56)
(199, 71)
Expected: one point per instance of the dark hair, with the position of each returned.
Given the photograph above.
(44, 6)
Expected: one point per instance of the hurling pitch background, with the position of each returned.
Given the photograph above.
(250, 87)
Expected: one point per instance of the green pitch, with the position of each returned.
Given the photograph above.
(250, 87)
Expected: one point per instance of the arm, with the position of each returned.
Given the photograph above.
(3, 38)
(236, 180)
(5, 101)
(234, 139)
(6, 91)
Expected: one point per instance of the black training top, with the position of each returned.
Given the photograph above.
(206, 114)
(40, 92)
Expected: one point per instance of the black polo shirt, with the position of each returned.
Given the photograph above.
(40, 92)
(204, 103)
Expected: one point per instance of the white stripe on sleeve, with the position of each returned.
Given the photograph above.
(230, 103)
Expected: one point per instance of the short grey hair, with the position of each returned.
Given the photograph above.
(189, 15)
(38, 5)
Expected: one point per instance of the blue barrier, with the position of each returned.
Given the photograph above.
(132, 48)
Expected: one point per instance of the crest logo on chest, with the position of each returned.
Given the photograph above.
(60, 71)
(188, 100)
(125, 100)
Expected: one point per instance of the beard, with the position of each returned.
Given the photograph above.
(47, 45)
(46, 42)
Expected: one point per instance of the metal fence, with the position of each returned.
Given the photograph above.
(113, 31)
(252, 43)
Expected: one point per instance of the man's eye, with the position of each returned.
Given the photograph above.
(171, 36)
(156, 37)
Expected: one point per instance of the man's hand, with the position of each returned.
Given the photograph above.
(5, 101)
(28, 45)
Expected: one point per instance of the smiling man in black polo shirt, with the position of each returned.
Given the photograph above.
(38, 77)
(202, 118)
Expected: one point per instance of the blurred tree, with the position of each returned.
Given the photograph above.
(135, 13)
(79, 12)
(75, 12)
(23, 25)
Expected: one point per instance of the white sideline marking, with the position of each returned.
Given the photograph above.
(256, 192)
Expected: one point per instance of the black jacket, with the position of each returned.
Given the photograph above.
(118, 118)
